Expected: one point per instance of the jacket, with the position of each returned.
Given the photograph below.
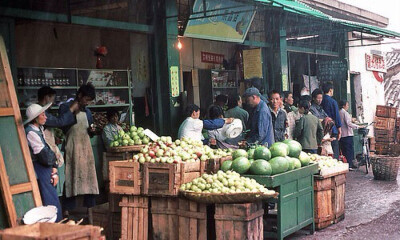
(308, 131)
(261, 129)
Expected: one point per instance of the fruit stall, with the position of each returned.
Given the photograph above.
(183, 189)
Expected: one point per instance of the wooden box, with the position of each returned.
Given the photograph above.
(381, 123)
(112, 156)
(192, 220)
(164, 179)
(109, 221)
(382, 111)
(384, 135)
(398, 122)
(134, 217)
(329, 194)
(165, 221)
(114, 200)
(125, 177)
(382, 148)
(51, 231)
(391, 124)
(239, 221)
(392, 112)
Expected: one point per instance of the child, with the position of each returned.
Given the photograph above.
(308, 130)
(326, 146)
(44, 159)
(112, 128)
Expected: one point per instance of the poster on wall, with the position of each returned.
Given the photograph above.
(224, 21)
(252, 63)
(174, 73)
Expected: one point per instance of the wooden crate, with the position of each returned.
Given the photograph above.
(381, 123)
(382, 111)
(114, 200)
(164, 179)
(109, 221)
(391, 124)
(51, 231)
(239, 221)
(125, 177)
(114, 230)
(165, 221)
(192, 220)
(110, 157)
(134, 217)
(393, 112)
(382, 148)
(398, 122)
(384, 135)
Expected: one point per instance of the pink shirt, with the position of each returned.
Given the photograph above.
(347, 125)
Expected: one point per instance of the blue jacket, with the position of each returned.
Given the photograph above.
(62, 120)
(261, 128)
(331, 108)
(213, 124)
(64, 108)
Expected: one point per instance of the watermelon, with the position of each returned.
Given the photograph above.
(227, 165)
(297, 163)
(241, 165)
(251, 161)
(250, 153)
(291, 163)
(279, 165)
(304, 159)
(294, 148)
(262, 153)
(279, 149)
(261, 167)
(239, 153)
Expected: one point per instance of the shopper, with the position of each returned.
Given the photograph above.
(216, 136)
(326, 146)
(44, 159)
(346, 141)
(192, 126)
(46, 95)
(261, 129)
(235, 109)
(308, 131)
(220, 100)
(316, 108)
(80, 171)
(112, 128)
(288, 101)
(331, 108)
(279, 118)
(292, 117)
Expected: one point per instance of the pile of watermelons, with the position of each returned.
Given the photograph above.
(279, 158)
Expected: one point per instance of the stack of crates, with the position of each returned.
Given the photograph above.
(385, 128)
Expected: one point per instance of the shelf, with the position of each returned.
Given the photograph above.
(224, 87)
(112, 87)
(52, 108)
(54, 87)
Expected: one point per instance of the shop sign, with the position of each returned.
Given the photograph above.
(375, 63)
(224, 21)
(252, 63)
(174, 74)
(212, 57)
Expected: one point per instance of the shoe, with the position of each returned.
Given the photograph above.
(351, 169)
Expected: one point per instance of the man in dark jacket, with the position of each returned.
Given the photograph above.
(331, 108)
(279, 118)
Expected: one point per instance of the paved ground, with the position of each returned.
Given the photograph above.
(372, 211)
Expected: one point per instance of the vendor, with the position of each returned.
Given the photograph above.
(44, 159)
(80, 170)
(112, 128)
(192, 126)
(216, 112)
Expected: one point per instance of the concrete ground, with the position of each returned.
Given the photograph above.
(372, 211)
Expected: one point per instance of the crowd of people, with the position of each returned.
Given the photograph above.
(318, 122)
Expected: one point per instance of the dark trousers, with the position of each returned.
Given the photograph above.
(47, 191)
(312, 151)
(347, 147)
(335, 148)
(89, 200)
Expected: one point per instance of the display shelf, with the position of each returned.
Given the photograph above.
(113, 87)
(54, 87)
(109, 105)
(52, 108)
(224, 87)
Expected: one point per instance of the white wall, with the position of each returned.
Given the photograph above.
(369, 92)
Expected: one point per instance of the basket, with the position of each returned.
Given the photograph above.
(242, 197)
(385, 167)
(363, 131)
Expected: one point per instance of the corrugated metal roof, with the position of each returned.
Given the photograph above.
(294, 6)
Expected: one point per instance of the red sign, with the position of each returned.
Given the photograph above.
(375, 63)
(212, 57)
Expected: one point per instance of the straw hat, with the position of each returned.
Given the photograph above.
(34, 110)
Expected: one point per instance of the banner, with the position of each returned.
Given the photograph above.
(375, 63)
(230, 21)
(252, 63)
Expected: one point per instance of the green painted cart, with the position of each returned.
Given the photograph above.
(295, 201)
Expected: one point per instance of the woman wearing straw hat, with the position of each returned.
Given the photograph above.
(44, 159)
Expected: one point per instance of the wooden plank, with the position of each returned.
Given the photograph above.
(124, 219)
(6, 193)
(6, 112)
(21, 188)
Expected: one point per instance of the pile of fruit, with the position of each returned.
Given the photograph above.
(279, 158)
(325, 162)
(224, 182)
(134, 136)
(185, 150)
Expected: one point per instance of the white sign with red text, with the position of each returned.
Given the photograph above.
(375, 63)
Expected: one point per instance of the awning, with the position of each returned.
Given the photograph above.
(294, 6)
